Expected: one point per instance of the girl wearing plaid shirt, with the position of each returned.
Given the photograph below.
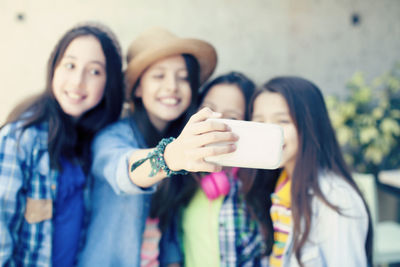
(217, 230)
(44, 149)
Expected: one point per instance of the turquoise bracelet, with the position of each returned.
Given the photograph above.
(157, 160)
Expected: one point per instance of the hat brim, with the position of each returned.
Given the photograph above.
(203, 52)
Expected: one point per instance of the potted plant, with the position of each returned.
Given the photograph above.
(367, 122)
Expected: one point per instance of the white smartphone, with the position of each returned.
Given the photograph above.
(259, 145)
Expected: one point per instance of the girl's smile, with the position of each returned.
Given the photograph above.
(169, 100)
(75, 97)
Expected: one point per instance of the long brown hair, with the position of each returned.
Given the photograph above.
(65, 137)
(318, 149)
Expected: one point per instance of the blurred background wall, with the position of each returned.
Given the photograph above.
(325, 41)
(322, 40)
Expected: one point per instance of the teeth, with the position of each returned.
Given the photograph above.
(169, 101)
(74, 95)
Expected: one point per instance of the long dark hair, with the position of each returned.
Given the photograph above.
(318, 150)
(65, 137)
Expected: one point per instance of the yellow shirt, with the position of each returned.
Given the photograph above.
(281, 218)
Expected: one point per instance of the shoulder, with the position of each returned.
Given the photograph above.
(26, 147)
(34, 135)
(120, 133)
(340, 193)
(333, 184)
(337, 236)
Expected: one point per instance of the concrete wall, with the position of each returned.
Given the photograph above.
(263, 38)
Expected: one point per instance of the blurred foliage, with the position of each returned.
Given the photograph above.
(367, 122)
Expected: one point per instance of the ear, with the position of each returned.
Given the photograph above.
(139, 91)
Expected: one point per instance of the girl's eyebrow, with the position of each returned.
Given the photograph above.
(163, 67)
(277, 114)
(92, 61)
(99, 62)
(273, 113)
(281, 113)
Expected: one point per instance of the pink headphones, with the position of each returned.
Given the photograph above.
(216, 184)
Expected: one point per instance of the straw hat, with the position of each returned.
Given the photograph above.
(158, 43)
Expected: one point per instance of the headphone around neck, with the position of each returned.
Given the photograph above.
(216, 184)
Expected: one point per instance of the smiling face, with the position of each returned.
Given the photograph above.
(80, 76)
(165, 91)
(226, 99)
(271, 107)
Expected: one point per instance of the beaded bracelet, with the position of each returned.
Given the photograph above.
(157, 160)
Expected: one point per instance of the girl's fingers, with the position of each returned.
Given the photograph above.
(196, 160)
(215, 138)
(196, 142)
(216, 150)
(208, 126)
(208, 167)
(203, 114)
(199, 155)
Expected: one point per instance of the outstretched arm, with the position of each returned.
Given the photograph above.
(187, 152)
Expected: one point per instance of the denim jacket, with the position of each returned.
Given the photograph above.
(119, 208)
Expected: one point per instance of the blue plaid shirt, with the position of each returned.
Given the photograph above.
(240, 239)
(27, 190)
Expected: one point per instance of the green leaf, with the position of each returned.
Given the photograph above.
(390, 126)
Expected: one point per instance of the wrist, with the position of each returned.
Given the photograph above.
(169, 157)
(159, 161)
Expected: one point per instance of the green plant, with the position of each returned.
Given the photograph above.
(367, 122)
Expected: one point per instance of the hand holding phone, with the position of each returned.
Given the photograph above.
(259, 145)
